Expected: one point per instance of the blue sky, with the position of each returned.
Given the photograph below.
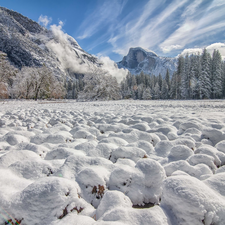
(111, 27)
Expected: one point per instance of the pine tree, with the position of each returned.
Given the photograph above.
(204, 79)
(223, 77)
(217, 83)
(164, 92)
(179, 74)
(147, 94)
(173, 88)
(140, 91)
(160, 80)
(195, 68)
(184, 73)
(167, 78)
(157, 92)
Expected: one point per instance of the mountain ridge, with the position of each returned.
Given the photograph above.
(27, 43)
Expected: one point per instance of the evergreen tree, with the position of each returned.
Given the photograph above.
(217, 82)
(147, 94)
(204, 79)
(157, 92)
(140, 91)
(160, 80)
(179, 74)
(184, 74)
(223, 77)
(164, 91)
(195, 68)
(174, 86)
(167, 78)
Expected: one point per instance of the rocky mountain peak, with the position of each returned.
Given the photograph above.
(139, 59)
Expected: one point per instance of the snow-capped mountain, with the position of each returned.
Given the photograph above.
(139, 59)
(29, 44)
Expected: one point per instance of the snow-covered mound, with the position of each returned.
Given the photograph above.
(120, 162)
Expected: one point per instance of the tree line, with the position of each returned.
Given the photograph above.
(197, 77)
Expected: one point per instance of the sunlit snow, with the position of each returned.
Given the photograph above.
(119, 162)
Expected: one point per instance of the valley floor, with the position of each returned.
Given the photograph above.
(119, 162)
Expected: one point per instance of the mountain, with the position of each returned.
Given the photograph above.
(139, 59)
(26, 43)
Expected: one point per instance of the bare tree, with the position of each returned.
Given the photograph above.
(37, 83)
(7, 74)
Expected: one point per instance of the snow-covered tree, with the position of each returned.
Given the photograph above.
(217, 83)
(160, 81)
(38, 82)
(184, 74)
(223, 77)
(165, 89)
(147, 94)
(23, 85)
(195, 70)
(204, 79)
(167, 78)
(174, 87)
(140, 91)
(156, 91)
(7, 74)
(99, 85)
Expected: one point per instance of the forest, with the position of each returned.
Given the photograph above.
(200, 76)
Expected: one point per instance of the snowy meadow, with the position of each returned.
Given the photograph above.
(119, 162)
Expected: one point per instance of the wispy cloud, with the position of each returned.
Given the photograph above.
(163, 26)
(195, 29)
(44, 20)
(148, 29)
(102, 16)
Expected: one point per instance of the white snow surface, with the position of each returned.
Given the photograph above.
(112, 163)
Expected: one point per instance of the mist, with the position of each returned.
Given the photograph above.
(70, 57)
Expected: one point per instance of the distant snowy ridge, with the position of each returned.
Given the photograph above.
(139, 59)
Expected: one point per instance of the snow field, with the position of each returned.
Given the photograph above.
(120, 162)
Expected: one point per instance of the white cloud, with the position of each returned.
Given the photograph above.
(44, 20)
(112, 68)
(210, 49)
(171, 47)
(192, 8)
(190, 51)
(218, 46)
(216, 3)
(64, 50)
